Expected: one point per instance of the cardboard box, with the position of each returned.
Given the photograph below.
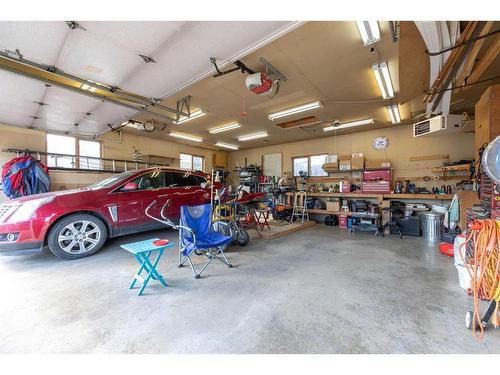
(377, 163)
(332, 159)
(344, 165)
(333, 205)
(331, 166)
(357, 160)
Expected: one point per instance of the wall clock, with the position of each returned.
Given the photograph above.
(380, 143)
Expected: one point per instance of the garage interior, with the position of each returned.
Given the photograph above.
(354, 153)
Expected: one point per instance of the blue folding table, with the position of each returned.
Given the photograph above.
(142, 251)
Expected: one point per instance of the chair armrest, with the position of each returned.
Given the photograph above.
(181, 228)
(218, 222)
(218, 225)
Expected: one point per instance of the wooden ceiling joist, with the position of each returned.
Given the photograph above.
(452, 58)
(471, 58)
(454, 62)
(489, 56)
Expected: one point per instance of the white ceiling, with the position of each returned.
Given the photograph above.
(108, 52)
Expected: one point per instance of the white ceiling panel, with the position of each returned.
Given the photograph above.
(106, 113)
(185, 58)
(88, 56)
(64, 106)
(108, 52)
(17, 97)
(135, 36)
(37, 41)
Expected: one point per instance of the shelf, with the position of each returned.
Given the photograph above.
(358, 170)
(452, 168)
(328, 212)
(381, 196)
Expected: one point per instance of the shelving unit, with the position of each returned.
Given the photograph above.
(450, 172)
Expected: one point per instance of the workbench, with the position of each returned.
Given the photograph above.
(378, 197)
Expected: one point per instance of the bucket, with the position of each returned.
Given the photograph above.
(431, 223)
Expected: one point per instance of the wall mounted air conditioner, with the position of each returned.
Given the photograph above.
(439, 125)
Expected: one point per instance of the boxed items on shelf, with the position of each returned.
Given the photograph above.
(345, 163)
(331, 166)
(377, 163)
(345, 186)
(333, 204)
(357, 160)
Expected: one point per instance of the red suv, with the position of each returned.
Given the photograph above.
(76, 223)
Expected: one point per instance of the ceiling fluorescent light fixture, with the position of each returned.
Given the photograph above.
(291, 111)
(186, 137)
(227, 145)
(393, 111)
(194, 114)
(369, 30)
(88, 87)
(381, 71)
(224, 128)
(349, 124)
(249, 137)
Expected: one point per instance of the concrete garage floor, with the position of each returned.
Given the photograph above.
(322, 290)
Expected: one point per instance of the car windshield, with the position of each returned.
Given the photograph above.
(108, 182)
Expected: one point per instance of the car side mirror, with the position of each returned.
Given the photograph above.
(130, 186)
(203, 185)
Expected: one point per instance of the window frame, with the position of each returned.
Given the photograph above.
(80, 156)
(308, 157)
(192, 156)
(77, 156)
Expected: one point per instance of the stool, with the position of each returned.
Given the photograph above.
(262, 217)
(142, 251)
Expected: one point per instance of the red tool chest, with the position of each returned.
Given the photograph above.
(378, 175)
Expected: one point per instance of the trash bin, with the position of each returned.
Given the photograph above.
(431, 223)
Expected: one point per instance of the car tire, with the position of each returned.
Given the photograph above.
(77, 236)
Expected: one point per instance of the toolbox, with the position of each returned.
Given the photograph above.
(376, 187)
(377, 175)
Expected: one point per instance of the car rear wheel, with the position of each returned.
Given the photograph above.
(77, 236)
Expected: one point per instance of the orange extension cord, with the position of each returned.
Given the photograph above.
(484, 269)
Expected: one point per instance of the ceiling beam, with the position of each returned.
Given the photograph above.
(54, 76)
(471, 58)
(489, 56)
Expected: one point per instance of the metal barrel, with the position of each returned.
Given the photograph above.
(431, 223)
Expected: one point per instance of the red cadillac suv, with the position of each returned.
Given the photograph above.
(76, 223)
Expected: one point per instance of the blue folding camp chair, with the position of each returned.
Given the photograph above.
(199, 235)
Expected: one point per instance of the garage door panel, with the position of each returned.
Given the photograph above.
(106, 113)
(135, 36)
(38, 41)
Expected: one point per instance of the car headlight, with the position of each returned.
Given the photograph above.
(25, 210)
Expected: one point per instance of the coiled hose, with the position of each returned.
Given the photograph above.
(484, 269)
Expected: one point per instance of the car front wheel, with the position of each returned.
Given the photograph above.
(77, 236)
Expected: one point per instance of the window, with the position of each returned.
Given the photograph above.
(186, 179)
(192, 162)
(197, 163)
(91, 149)
(310, 164)
(150, 181)
(60, 144)
(300, 165)
(316, 164)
